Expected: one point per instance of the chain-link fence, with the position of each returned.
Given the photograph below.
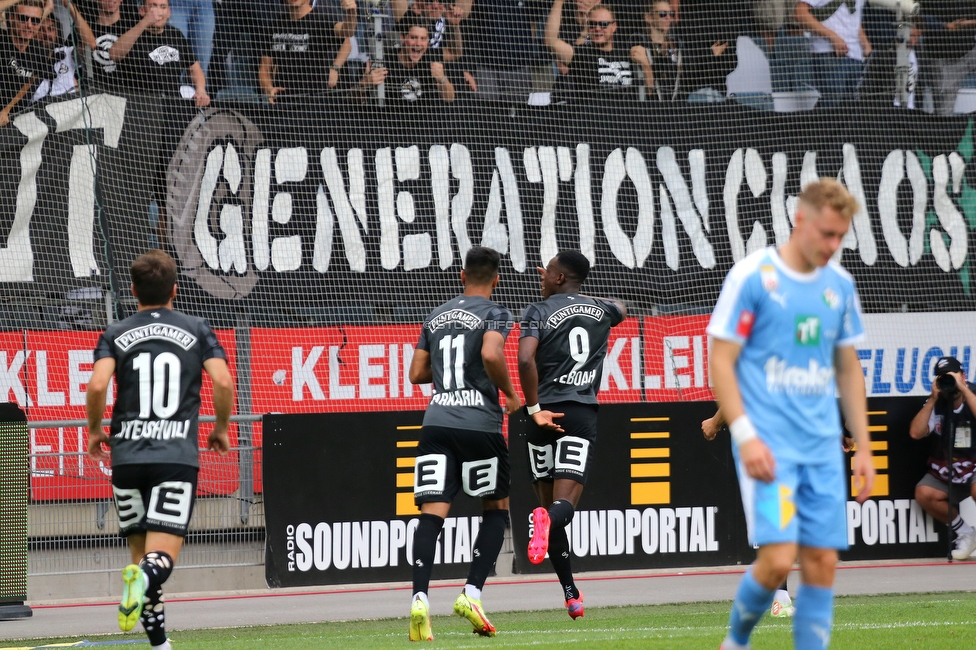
(73, 525)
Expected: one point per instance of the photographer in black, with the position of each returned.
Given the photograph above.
(950, 408)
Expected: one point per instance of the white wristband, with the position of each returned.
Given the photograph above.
(532, 410)
(742, 430)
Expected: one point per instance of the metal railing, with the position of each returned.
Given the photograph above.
(73, 526)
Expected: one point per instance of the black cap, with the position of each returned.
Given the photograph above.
(947, 364)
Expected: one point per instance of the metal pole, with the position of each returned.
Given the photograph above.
(54, 424)
(949, 431)
(109, 308)
(378, 15)
(245, 456)
(903, 66)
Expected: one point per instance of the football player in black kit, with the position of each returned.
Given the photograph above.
(462, 351)
(157, 356)
(560, 360)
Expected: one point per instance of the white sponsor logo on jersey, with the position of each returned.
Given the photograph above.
(156, 332)
(465, 319)
(560, 315)
(812, 380)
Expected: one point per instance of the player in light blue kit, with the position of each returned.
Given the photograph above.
(782, 335)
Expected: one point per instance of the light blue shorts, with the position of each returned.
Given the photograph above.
(806, 504)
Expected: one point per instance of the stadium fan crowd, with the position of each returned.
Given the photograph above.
(536, 52)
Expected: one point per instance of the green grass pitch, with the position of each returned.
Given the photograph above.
(925, 621)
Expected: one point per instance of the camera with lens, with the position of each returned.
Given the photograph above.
(946, 383)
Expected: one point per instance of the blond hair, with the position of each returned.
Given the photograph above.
(828, 193)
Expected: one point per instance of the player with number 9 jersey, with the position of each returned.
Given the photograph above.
(562, 347)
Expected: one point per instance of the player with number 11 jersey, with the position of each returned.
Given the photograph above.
(462, 352)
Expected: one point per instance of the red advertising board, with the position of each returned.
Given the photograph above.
(46, 373)
(311, 370)
(676, 359)
(360, 368)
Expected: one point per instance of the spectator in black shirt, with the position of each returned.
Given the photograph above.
(106, 27)
(306, 50)
(594, 65)
(950, 50)
(708, 32)
(22, 59)
(659, 54)
(412, 78)
(157, 55)
(504, 45)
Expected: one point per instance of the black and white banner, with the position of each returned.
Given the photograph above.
(271, 208)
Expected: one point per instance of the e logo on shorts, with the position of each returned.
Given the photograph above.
(540, 460)
(429, 473)
(571, 454)
(480, 477)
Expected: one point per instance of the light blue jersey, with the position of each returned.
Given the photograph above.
(789, 325)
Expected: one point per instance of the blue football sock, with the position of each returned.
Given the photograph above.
(814, 617)
(751, 602)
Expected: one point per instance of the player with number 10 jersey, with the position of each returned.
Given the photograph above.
(157, 356)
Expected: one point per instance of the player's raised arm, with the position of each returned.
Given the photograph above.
(755, 455)
(223, 399)
(95, 398)
(619, 304)
(853, 404)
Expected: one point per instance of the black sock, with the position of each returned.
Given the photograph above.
(559, 556)
(561, 513)
(424, 545)
(487, 545)
(157, 565)
(154, 616)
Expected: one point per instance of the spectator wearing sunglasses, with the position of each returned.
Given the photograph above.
(22, 58)
(839, 47)
(658, 53)
(594, 66)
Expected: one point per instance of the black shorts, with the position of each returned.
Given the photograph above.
(568, 454)
(449, 460)
(156, 497)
